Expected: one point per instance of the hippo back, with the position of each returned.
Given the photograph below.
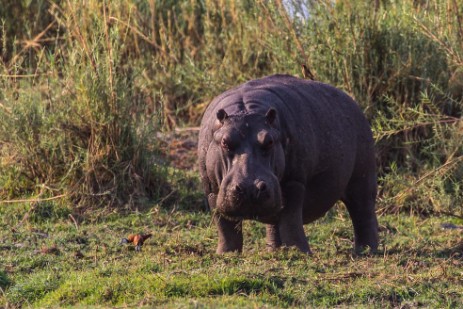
(319, 123)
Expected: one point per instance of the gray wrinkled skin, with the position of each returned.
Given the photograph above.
(283, 150)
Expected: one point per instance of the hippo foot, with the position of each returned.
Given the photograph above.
(365, 250)
(296, 248)
(294, 237)
(302, 247)
(224, 249)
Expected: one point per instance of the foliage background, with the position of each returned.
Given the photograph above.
(86, 84)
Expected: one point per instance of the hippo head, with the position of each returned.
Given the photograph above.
(246, 157)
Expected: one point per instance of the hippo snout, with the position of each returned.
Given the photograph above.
(250, 191)
(249, 198)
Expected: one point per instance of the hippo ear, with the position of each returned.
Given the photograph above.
(271, 115)
(222, 115)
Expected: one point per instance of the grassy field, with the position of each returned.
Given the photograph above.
(51, 260)
(99, 104)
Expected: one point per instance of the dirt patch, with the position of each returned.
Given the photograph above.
(180, 147)
(198, 250)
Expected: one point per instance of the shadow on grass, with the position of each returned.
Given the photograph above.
(454, 252)
(244, 286)
(4, 280)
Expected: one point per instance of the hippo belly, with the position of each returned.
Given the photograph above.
(319, 197)
(282, 150)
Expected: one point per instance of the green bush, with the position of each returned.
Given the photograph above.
(88, 84)
(78, 127)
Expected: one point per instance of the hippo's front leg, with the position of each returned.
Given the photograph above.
(273, 240)
(230, 232)
(290, 225)
(230, 235)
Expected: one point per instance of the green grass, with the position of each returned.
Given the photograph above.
(419, 263)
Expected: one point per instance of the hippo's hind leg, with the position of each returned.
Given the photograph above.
(360, 199)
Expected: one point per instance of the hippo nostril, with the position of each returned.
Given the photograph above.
(261, 186)
(238, 189)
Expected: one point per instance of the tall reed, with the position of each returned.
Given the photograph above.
(86, 84)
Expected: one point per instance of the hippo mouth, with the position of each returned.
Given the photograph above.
(268, 219)
(241, 218)
(229, 218)
(243, 212)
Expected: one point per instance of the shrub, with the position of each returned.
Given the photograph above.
(87, 85)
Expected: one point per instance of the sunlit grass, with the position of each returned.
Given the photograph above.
(419, 263)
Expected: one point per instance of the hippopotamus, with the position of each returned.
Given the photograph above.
(283, 150)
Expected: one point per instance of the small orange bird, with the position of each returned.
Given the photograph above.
(136, 239)
(306, 73)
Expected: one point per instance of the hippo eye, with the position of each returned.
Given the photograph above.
(268, 144)
(265, 140)
(227, 144)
